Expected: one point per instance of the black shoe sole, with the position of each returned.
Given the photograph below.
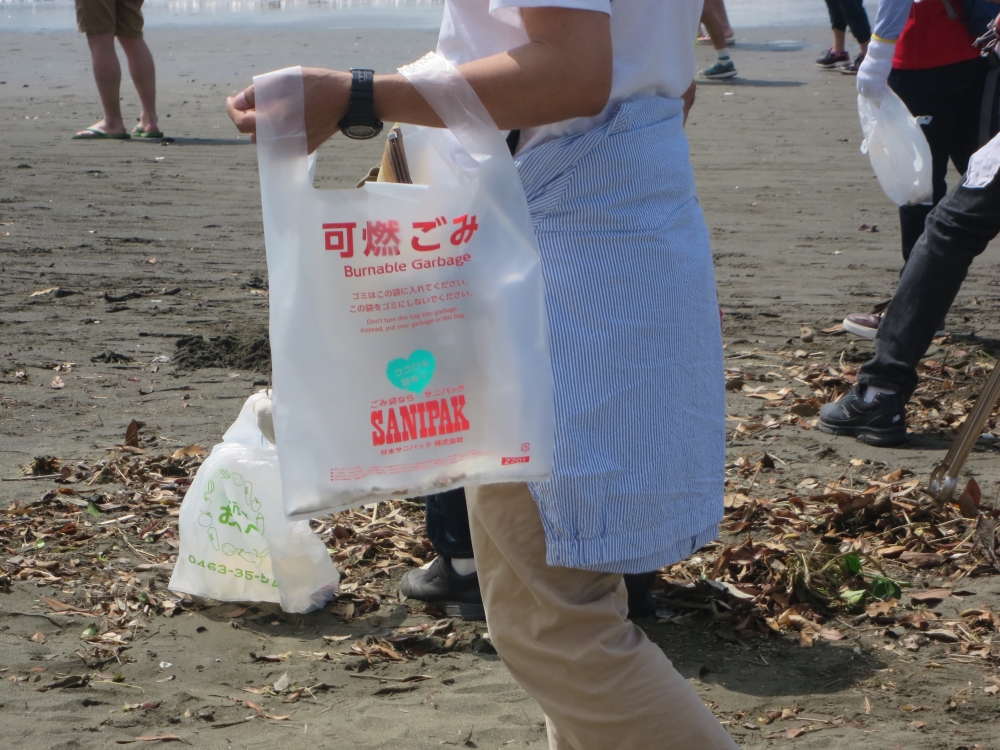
(463, 610)
(886, 437)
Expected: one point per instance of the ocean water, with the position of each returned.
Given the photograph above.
(31, 15)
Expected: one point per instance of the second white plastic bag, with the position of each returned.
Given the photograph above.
(235, 542)
(409, 339)
(898, 149)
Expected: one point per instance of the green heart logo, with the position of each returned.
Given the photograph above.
(412, 374)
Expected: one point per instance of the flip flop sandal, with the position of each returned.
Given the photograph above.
(100, 136)
(730, 40)
(140, 133)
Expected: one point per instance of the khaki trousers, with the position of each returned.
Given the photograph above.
(564, 636)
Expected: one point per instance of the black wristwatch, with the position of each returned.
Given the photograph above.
(360, 121)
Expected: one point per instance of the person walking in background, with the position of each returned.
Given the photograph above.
(925, 53)
(846, 14)
(721, 35)
(718, 7)
(102, 21)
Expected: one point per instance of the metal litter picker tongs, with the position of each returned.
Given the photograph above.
(944, 478)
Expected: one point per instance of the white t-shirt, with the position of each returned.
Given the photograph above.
(652, 41)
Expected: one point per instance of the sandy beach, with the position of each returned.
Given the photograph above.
(113, 254)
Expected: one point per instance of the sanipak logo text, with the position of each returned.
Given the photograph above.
(405, 422)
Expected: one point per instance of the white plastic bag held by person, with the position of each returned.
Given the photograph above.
(408, 332)
(898, 149)
(235, 542)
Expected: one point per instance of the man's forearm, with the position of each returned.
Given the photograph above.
(545, 81)
(564, 71)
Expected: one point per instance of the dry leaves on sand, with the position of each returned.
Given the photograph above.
(804, 562)
(262, 713)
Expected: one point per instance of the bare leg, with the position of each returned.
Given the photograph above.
(839, 40)
(864, 48)
(716, 10)
(143, 72)
(108, 75)
(719, 10)
(716, 31)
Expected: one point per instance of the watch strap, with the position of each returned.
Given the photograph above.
(361, 110)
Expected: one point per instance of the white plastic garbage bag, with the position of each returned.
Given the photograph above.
(898, 149)
(408, 332)
(235, 542)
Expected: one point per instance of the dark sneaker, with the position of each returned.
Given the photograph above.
(852, 69)
(721, 69)
(882, 422)
(831, 59)
(440, 585)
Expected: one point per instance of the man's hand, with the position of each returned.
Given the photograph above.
(688, 98)
(241, 110)
(327, 98)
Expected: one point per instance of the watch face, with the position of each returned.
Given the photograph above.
(361, 131)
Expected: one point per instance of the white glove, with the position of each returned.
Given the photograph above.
(874, 71)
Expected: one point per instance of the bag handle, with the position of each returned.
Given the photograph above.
(444, 87)
(280, 105)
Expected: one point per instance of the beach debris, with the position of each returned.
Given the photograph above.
(155, 738)
(132, 433)
(262, 713)
(806, 334)
(112, 358)
(73, 681)
(57, 383)
(108, 297)
(872, 228)
(832, 550)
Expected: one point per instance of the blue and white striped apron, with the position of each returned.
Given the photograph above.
(636, 347)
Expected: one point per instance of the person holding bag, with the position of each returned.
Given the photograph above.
(637, 471)
(924, 52)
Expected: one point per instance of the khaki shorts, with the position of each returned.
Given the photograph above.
(118, 17)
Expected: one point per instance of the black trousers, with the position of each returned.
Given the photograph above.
(447, 519)
(850, 13)
(951, 95)
(957, 230)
